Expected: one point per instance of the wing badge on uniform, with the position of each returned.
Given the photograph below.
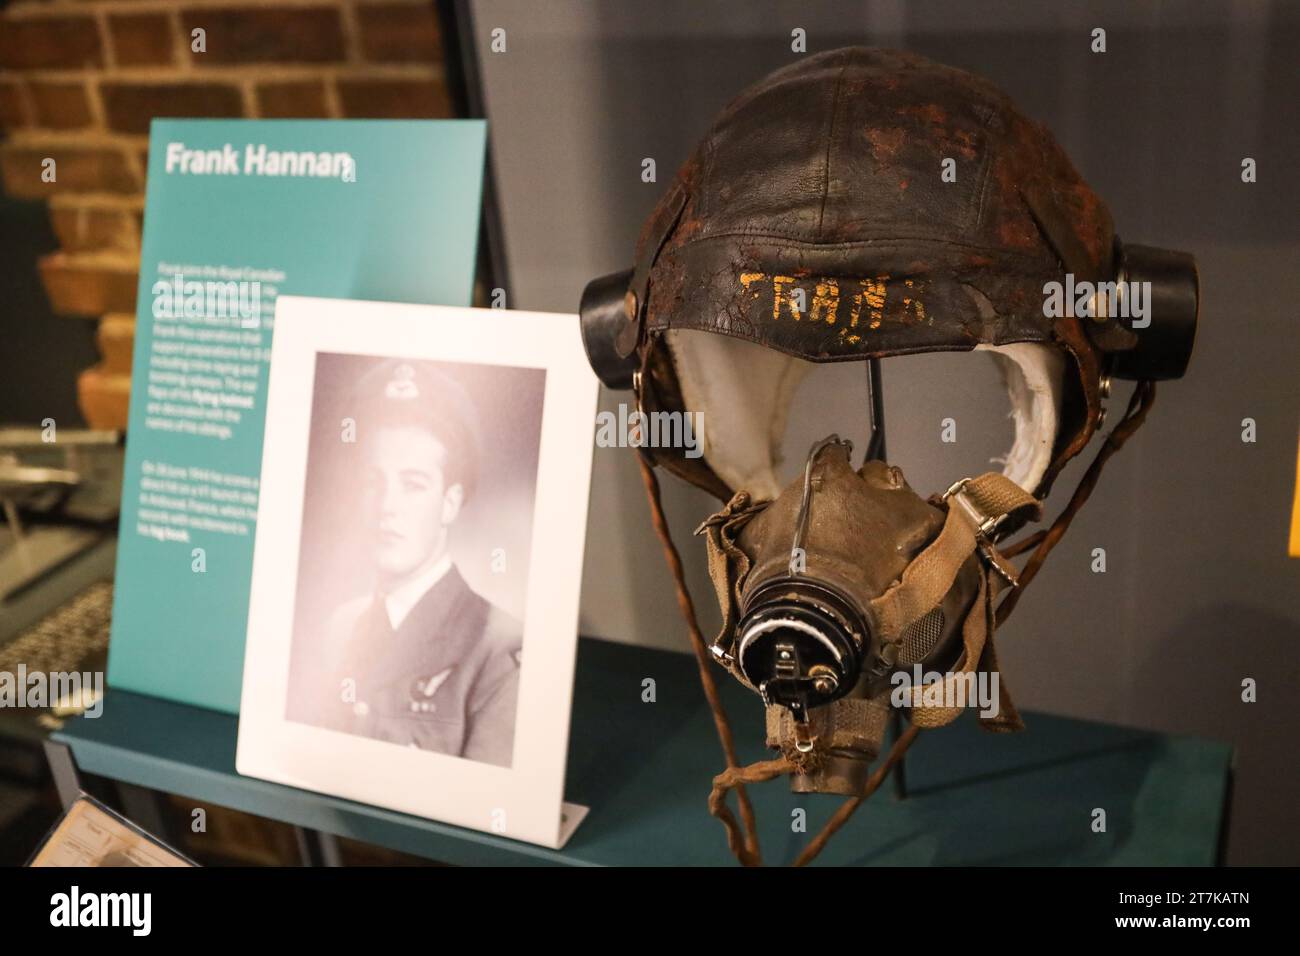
(424, 688)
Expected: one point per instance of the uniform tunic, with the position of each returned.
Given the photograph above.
(445, 680)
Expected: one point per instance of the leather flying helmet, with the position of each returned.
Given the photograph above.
(855, 205)
(814, 221)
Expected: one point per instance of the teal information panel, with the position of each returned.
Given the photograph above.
(238, 212)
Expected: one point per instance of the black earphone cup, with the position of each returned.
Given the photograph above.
(1165, 343)
(603, 317)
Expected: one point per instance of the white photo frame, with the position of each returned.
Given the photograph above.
(523, 800)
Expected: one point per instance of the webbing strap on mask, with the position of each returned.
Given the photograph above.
(976, 506)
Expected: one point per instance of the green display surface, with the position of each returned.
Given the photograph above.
(644, 769)
(397, 223)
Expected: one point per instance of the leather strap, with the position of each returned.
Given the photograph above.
(661, 227)
(742, 837)
(1107, 332)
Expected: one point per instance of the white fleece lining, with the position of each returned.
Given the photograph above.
(744, 391)
(1034, 375)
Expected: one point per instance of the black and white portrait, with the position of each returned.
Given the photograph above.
(416, 534)
(422, 512)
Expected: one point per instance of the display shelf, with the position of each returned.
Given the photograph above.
(644, 769)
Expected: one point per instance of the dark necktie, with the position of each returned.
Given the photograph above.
(378, 629)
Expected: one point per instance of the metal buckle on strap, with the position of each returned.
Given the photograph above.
(721, 655)
(984, 524)
(985, 527)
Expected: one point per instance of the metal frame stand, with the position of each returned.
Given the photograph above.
(876, 452)
(63, 768)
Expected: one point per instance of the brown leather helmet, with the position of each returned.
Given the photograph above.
(864, 203)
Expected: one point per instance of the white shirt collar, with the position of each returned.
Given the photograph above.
(399, 601)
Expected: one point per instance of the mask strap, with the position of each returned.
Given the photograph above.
(979, 656)
(669, 212)
(975, 508)
(743, 845)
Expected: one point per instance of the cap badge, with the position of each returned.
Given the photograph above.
(402, 385)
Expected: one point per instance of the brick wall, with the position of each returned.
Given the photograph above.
(81, 79)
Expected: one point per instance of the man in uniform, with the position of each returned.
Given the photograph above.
(422, 661)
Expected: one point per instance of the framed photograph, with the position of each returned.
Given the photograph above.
(414, 606)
